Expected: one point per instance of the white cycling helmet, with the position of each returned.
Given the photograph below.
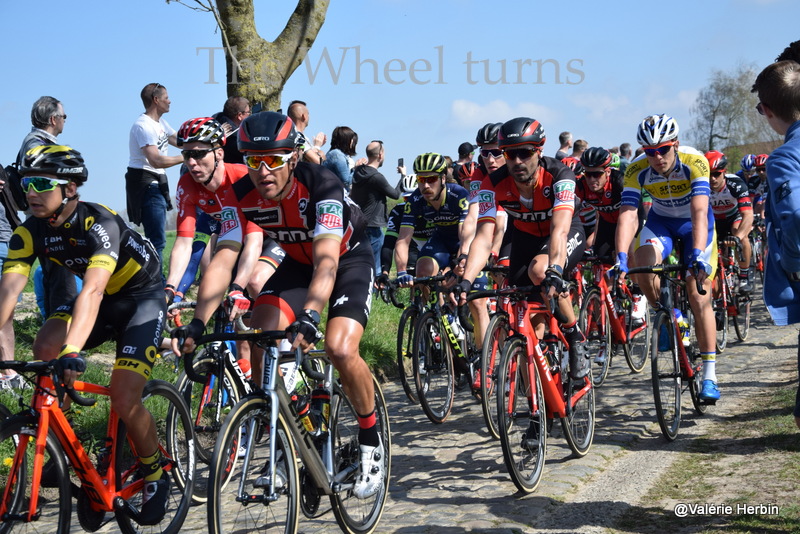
(409, 183)
(657, 129)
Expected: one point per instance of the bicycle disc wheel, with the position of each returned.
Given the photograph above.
(496, 333)
(639, 337)
(596, 326)
(176, 443)
(357, 516)
(239, 499)
(405, 345)
(523, 429)
(741, 321)
(55, 503)
(433, 364)
(666, 376)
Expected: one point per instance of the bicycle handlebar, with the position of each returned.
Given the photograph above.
(48, 368)
(663, 269)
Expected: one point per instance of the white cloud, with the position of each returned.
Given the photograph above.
(600, 105)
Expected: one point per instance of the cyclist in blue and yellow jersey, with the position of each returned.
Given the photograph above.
(677, 179)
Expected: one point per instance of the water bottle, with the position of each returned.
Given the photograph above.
(321, 406)
(304, 415)
(457, 330)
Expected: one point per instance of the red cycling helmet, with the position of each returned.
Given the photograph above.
(465, 170)
(574, 165)
(716, 160)
(761, 160)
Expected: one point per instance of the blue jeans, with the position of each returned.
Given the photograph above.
(375, 235)
(154, 218)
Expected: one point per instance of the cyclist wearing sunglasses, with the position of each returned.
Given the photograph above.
(538, 194)
(733, 212)
(122, 296)
(328, 261)
(677, 179)
(757, 184)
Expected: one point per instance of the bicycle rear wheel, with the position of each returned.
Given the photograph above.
(522, 417)
(666, 376)
(578, 425)
(496, 333)
(239, 499)
(433, 366)
(176, 441)
(741, 321)
(638, 346)
(357, 516)
(405, 346)
(596, 326)
(721, 311)
(18, 446)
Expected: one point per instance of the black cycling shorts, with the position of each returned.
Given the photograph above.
(525, 247)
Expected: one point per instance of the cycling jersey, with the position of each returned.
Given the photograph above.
(315, 207)
(422, 229)
(731, 200)
(446, 219)
(758, 189)
(671, 195)
(607, 201)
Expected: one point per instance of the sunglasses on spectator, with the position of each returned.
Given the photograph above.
(594, 174)
(716, 174)
(41, 184)
(522, 154)
(660, 149)
(493, 152)
(195, 154)
(760, 108)
(272, 161)
(428, 179)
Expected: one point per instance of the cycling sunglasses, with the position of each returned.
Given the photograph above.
(522, 154)
(493, 152)
(272, 161)
(41, 184)
(195, 154)
(660, 149)
(594, 174)
(428, 179)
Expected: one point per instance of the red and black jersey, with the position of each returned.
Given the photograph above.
(554, 190)
(316, 207)
(732, 199)
(606, 201)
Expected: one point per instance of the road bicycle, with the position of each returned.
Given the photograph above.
(38, 445)
(729, 304)
(674, 356)
(757, 246)
(606, 318)
(534, 387)
(262, 489)
(405, 336)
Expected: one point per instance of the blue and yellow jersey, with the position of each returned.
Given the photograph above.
(671, 195)
(446, 219)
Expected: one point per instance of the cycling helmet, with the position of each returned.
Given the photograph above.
(201, 130)
(596, 156)
(488, 134)
(657, 129)
(716, 160)
(409, 183)
(615, 161)
(521, 131)
(760, 160)
(430, 162)
(267, 130)
(748, 162)
(63, 161)
(574, 164)
(465, 170)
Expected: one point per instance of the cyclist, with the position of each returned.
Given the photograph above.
(677, 179)
(328, 261)
(122, 297)
(586, 212)
(758, 184)
(538, 194)
(733, 212)
(747, 166)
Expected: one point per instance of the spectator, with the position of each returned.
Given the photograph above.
(578, 148)
(235, 110)
(450, 175)
(565, 138)
(370, 189)
(340, 157)
(312, 151)
(778, 89)
(624, 156)
(146, 184)
(48, 119)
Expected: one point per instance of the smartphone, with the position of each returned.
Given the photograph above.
(400, 162)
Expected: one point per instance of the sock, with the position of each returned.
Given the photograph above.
(368, 430)
(709, 365)
(151, 466)
(744, 274)
(572, 332)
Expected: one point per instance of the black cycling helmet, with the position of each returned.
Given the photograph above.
(521, 131)
(488, 134)
(201, 130)
(267, 130)
(596, 156)
(63, 161)
(574, 165)
(430, 162)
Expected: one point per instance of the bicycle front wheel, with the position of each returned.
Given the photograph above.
(721, 311)
(18, 447)
(433, 365)
(496, 334)
(357, 516)
(239, 498)
(522, 417)
(596, 326)
(666, 376)
(741, 321)
(405, 349)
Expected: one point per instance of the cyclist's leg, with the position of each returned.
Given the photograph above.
(653, 246)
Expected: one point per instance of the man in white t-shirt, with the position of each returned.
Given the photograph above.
(146, 185)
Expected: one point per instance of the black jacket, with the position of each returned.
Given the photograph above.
(370, 190)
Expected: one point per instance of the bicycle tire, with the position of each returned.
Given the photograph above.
(721, 312)
(638, 346)
(741, 321)
(578, 423)
(176, 441)
(496, 333)
(666, 375)
(55, 504)
(523, 433)
(357, 516)
(696, 386)
(433, 368)
(596, 326)
(405, 345)
(230, 485)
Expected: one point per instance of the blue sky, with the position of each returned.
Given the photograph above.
(604, 66)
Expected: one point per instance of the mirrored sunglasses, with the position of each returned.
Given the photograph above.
(660, 149)
(41, 184)
(272, 161)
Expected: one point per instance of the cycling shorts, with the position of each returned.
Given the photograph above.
(526, 247)
(439, 248)
(663, 232)
(724, 226)
(271, 252)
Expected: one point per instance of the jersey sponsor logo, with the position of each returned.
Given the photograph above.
(329, 215)
(264, 217)
(228, 220)
(531, 216)
(669, 189)
(102, 234)
(76, 262)
(290, 235)
(103, 262)
(140, 248)
(485, 207)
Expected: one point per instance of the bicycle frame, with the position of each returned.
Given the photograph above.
(618, 330)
